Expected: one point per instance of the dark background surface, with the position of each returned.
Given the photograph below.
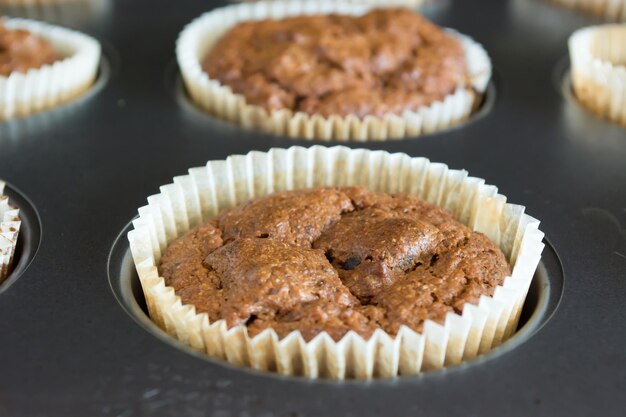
(67, 348)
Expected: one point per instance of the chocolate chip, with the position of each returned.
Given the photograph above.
(351, 263)
(251, 320)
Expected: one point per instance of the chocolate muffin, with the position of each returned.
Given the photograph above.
(334, 282)
(21, 50)
(332, 260)
(386, 61)
(331, 70)
(43, 66)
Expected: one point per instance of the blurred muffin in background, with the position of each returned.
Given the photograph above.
(42, 66)
(598, 70)
(21, 50)
(331, 70)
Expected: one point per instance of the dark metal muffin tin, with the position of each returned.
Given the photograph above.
(75, 342)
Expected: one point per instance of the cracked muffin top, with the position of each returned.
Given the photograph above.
(386, 61)
(332, 260)
(21, 50)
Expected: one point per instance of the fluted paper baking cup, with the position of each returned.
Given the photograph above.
(42, 88)
(609, 9)
(200, 35)
(9, 231)
(598, 59)
(208, 190)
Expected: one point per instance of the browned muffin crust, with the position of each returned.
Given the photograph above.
(21, 50)
(333, 260)
(387, 61)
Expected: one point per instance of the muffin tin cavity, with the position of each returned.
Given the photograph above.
(29, 235)
(542, 301)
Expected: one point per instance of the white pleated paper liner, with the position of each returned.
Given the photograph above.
(200, 35)
(598, 60)
(42, 88)
(614, 10)
(207, 190)
(9, 231)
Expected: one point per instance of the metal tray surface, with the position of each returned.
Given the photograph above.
(74, 340)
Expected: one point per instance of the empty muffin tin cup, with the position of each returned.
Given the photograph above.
(598, 59)
(43, 88)
(207, 190)
(200, 35)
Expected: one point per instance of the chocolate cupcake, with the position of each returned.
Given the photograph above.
(375, 265)
(331, 70)
(42, 66)
(9, 232)
(598, 58)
